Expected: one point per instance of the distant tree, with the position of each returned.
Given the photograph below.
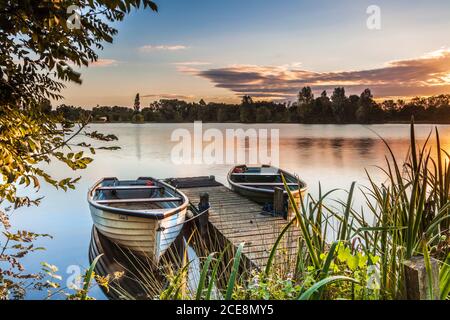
(263, 115)
(351, 108)
(416, 107)
(247, 100)
(232, 111)
(442, 112)
(247, 110)
(71, 113)
(192, 111)
(137, 103)
(222, 114)
(338, 103)
(305, 104)
(280, 113)
(305, 96)
(367, 107)
(323, 111)
(390, 109)
(202, 102)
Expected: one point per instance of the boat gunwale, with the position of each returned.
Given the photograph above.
(139, 213)
(268, 191)
(139, 200)
(129, 187)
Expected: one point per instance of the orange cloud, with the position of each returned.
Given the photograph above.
(426, 75)
(168, 96)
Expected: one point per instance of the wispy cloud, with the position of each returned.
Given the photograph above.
(190, 67)
(168, 96)
(104, 63)
(192, 63)
(151, 47)
(426, 75)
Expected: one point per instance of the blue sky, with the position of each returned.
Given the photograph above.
(220, 50)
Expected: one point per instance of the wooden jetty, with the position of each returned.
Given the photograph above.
(235, 219)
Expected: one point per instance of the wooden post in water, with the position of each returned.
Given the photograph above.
(278, 202)
(417, 282)
(204, 218)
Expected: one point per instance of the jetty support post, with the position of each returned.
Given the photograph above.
(204, 218)
(417, 282)
(278, 202)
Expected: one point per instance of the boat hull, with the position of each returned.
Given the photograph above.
(144, 236)
(264, 196)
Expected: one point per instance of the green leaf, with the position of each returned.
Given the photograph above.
(234, 272)
(353, 262)
(203, 274)
(88, 277)
(444, 278)
(322, 283)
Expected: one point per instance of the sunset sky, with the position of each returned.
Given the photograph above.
(219, 50)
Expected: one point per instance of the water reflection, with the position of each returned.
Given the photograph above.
(335, 156)
(137, 131)
(305, 143)
(132, 284)
(141, 279)
(365, 147)
(336, 144)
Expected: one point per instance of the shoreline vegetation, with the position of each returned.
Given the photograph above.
(341, 253)
(308, 109)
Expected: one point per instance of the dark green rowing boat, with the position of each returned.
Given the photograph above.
(259, 183)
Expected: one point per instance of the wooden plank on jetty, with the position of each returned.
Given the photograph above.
(237, 219)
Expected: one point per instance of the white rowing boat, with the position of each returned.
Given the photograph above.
(144, 215)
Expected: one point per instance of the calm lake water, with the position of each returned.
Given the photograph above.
(330, 154)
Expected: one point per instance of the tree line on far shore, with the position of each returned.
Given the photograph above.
(335, 109)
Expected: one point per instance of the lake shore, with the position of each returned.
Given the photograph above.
(258, 123)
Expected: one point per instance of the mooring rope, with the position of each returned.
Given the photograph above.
(185, 221)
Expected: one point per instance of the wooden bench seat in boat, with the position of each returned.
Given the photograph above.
(267, 184)
(129, 188)
(255, 174)
(137, 200)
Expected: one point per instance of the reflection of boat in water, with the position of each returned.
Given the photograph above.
(139, 280)
(142, 278)
(144, 215)
(259, 183)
